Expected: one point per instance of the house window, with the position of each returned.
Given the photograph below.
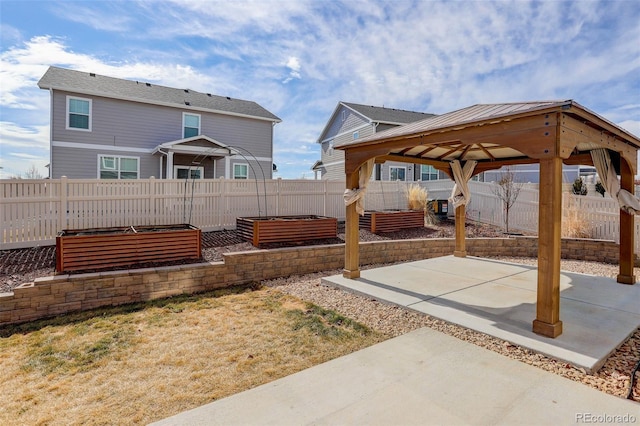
(114, 167)
(356, 135)
(190, 125)
(78, 113)
(428, 173)
(344, 115)
(330, 149)
(397, 173)
(241, 171)
(186, 172)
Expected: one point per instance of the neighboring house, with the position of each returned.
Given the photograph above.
(351, 121)
(110, 128)
(530, 173)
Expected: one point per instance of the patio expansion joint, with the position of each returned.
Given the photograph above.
(610, 308)
(464, 288)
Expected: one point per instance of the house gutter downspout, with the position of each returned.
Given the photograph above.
(163, 153)
(51, 133)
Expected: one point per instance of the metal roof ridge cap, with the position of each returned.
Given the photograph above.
(450, 127)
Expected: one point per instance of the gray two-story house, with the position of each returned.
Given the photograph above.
(351, 121)
(110, 128)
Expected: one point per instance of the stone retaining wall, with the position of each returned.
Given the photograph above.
(55, 295)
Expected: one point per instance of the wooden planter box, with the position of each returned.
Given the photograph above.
(391, 221)
(276, 229)
(103, 248)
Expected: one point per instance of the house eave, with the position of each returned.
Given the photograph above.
(159, 103)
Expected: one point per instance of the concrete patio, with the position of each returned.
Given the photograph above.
(420, 378)
(498, 298)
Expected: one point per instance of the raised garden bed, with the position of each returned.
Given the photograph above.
(103, 248)
(276, 229)
(391, 220)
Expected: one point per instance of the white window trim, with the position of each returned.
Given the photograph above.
(234, 170)
(344, 115)
(398, 167)
(176, 168)
(67, 113)
(184, 114)
(435, 172)
(356, 135)
(100, 156)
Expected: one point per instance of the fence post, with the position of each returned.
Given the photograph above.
(153, 211)
(223, 199)
(324, 204)
(278, 195)
(64, 204)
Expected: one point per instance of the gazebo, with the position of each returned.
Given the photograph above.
(472, 140)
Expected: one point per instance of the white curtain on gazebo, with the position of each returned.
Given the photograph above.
(460, 195)
(356, 195)
(627, 201)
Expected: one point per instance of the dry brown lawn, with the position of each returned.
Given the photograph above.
(144, 362)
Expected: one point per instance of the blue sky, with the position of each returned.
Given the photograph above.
(298, 59)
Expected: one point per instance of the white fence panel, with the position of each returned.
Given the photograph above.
(29, 211)
(601, 213)
(32, 212)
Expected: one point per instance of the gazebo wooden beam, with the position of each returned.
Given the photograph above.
(530, 135)
(547, 322)
(626, 229)
(461, 237)
(352, 236)
(574, 132)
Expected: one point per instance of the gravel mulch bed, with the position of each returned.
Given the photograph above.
(24, 265)
(613, 378)
(19, 266)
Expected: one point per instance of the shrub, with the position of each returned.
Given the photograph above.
(579, 187)
(574, 225)
(417, 197)
(600, 188)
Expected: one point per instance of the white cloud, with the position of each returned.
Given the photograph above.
(117, 18)
(428, 56)
(15, 135)
(632, 126)
(293, 64)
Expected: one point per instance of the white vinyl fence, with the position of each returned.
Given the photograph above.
(33, 212)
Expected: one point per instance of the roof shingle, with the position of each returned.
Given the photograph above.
(387, 115)
(94, 84)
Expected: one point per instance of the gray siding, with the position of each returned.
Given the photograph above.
(144, 126)
(333, 160)
(119, 123)
(338, 126)
(251, 135)
(530, 173)
(83, 163)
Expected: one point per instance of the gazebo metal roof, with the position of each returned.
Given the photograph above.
(496, 135)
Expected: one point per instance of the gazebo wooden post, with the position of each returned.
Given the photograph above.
(626, 229)
(547, 322)
(352, 237)
(461, 249)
